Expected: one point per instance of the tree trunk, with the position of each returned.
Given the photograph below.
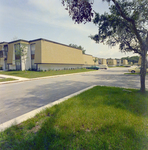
(143, 70)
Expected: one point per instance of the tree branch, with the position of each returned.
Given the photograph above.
(129, 20)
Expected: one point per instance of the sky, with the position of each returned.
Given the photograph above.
(48, 19)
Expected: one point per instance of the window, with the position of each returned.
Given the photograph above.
(16, 47)
(17, 51)
(5, 50)
(1, 54)
(32, 47)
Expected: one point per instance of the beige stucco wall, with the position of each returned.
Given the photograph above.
(59, 54)
(38, 53)
(1, 47)
(88, 59)
(104, 61)
(10, 53)
(125, 62)
(1, 62)
(139, 61)
(112, 62)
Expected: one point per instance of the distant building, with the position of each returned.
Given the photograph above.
(102, 61)
(88, 60)
(118, 62)
(125, 62)
(111, 62)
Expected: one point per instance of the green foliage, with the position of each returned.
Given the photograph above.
(20, 51)
(115, 29)
(95, 59)
(78, 47)
(79, 10)
(133, 59)
(101, 118)
(125, 25)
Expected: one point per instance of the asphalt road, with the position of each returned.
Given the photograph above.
(19, 98)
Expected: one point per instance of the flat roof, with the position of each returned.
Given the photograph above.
(18, 41)
(88, 54)
(52, 42)
(3, 42)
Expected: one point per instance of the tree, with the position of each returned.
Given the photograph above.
(125, 25)
(20, 53)
(95, 60)
(133, 59)
(78, 47)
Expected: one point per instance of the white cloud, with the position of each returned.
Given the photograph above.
(53, 7)
(31, 19)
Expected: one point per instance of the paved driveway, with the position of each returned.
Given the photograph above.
(19, 98)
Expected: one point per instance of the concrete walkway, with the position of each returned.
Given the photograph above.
(13, 77)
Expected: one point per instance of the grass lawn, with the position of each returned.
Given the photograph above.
(101, 118)
(6, 79)
(134, 74)
(119, 67)
(36, 74)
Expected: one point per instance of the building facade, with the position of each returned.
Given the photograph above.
(125, 62)
(118, 62)
(41, 54)
(111, 62)
(102, 61)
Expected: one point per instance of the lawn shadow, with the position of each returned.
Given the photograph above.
(52, 135)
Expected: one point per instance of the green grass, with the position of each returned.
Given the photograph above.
(134, 74)
(36, 74)
(119, 66)
(6, 79)
(107, 118)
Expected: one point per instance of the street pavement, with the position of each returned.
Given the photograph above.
(22, 97)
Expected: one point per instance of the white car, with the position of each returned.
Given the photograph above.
(103, 66)
(136, 70)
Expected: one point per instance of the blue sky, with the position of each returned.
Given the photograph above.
(32, 19)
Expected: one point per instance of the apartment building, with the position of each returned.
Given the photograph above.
(125, 62)
(102, 61)
(111, 62)
(41, 54)
(88, 60)
(3, 55)
(118, 62)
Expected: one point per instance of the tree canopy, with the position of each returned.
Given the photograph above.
(125, 25)
(133, 59)
(78, 47)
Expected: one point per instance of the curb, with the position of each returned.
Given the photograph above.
(31, 114)
(46, 77)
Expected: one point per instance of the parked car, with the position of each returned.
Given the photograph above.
(136, 70)
(103, 66)
(93, 67)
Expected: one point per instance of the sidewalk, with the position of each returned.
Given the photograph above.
(18, 79)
